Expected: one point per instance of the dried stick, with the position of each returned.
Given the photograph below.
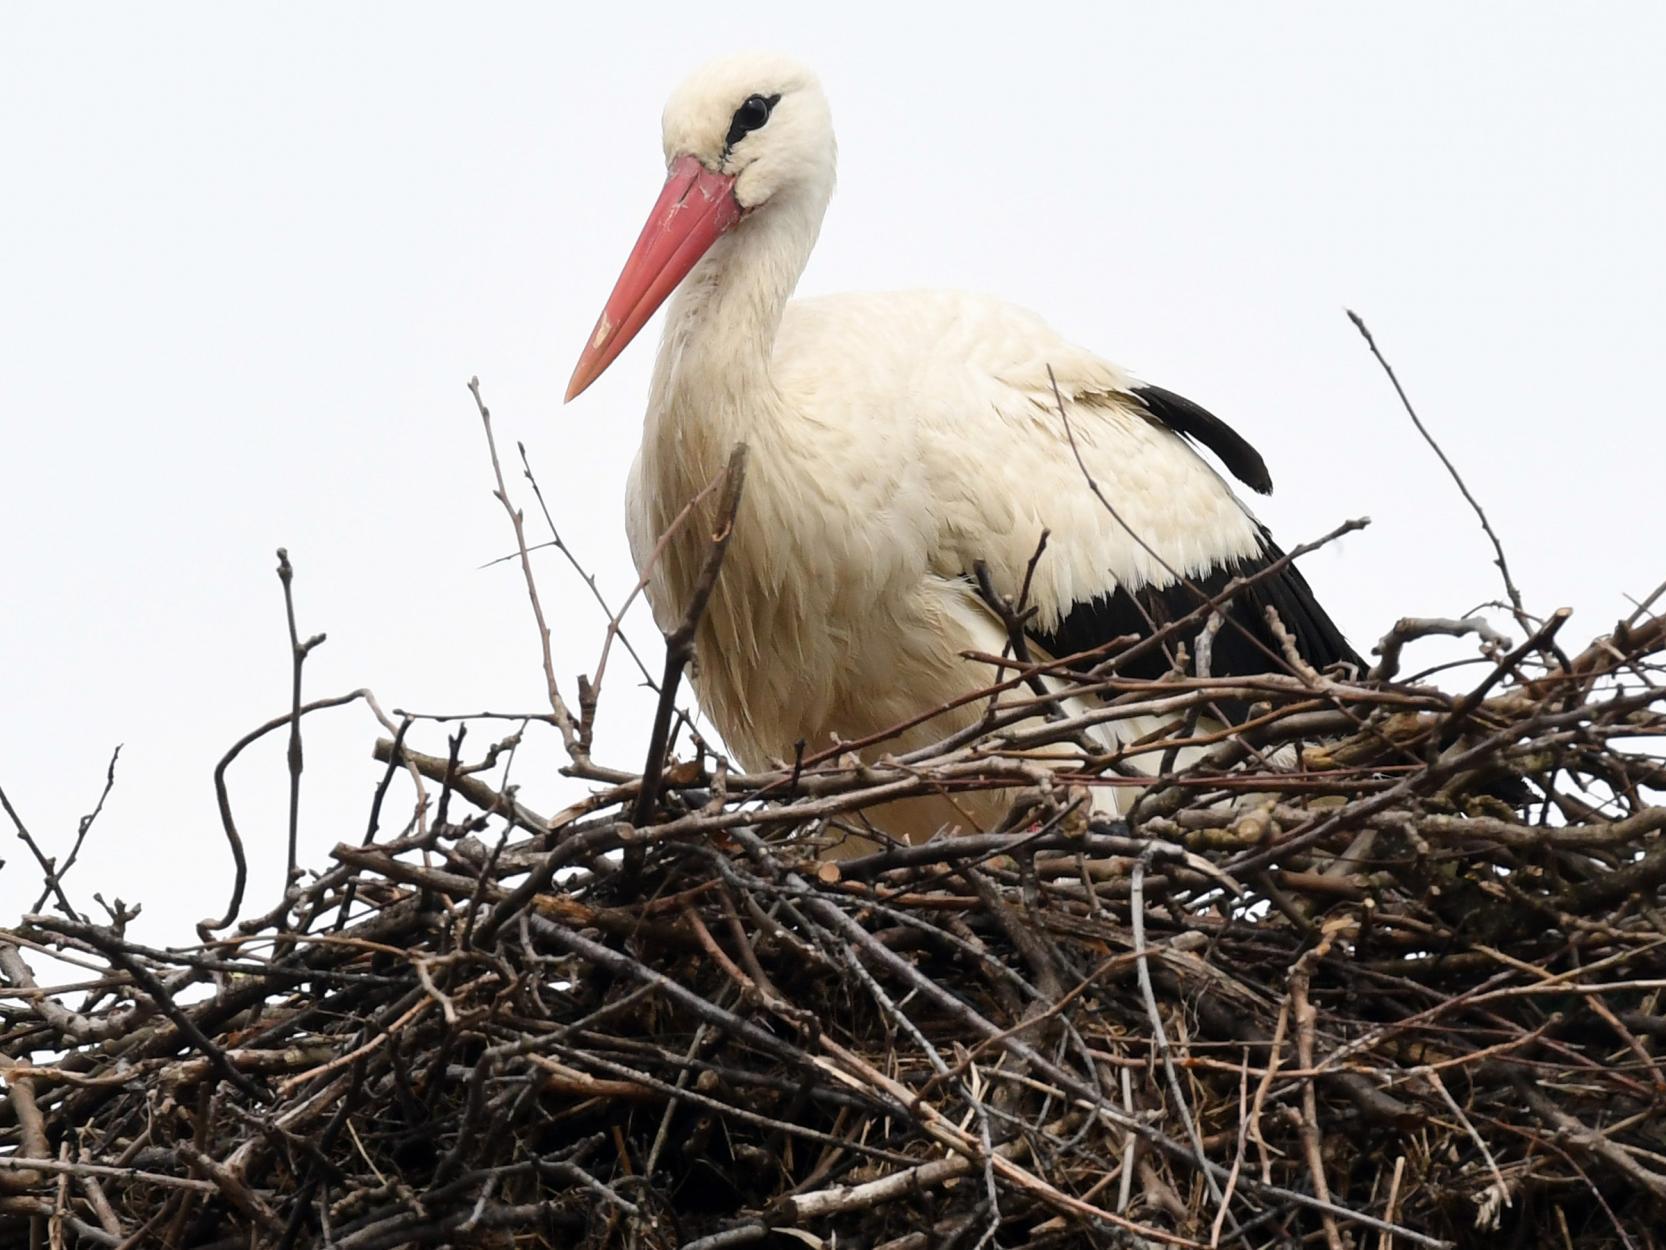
(82, 828)
(72, 1024)
(32, 1142)
(298, 652)
(1521, 616)
(558, 708)
(222, 794)
(1410, 628)
(584, 575)
(679, 643)
(77, 1168)
(1301, 1011)
(1571, 1130)
(615, 626)
(1159, 1034)
(48, 873)
(153, 989)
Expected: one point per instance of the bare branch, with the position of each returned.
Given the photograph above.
(558, 708)
(1480, 513)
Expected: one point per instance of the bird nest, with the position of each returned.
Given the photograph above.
(1405, 993)
(1381, 967)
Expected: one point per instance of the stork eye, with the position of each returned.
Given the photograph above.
(749, 117)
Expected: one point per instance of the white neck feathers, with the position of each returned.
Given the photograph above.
(714, 358)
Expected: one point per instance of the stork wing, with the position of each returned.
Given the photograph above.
(1243, 646)
(1166, 534)
(996, 429)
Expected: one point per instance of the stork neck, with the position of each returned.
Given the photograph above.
(720, 333)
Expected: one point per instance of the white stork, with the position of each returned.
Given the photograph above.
(896, 441)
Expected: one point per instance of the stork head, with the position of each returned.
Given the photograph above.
(760, 120)
(748, 134)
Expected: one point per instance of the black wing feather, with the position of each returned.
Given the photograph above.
(1184, 417)
(1243, 647)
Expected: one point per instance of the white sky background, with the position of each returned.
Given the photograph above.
(250, 256)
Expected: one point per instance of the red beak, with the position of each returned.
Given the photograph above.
(694, 209)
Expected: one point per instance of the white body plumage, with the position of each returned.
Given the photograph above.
(895, 440)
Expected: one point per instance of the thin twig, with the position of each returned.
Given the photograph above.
(1497, 547)
(558, 707)
(81, 830)
(679, 643)
(298, 652)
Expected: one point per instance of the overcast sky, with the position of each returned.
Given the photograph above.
(249, 257)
